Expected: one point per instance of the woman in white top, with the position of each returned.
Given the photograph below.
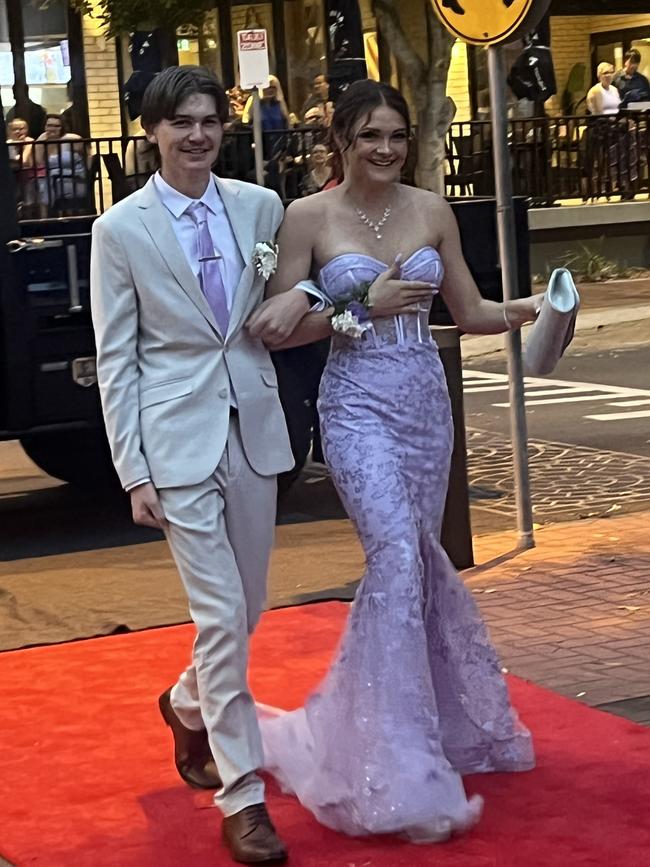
(611, 145)
(603, 98)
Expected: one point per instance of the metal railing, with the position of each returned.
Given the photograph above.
(76, 177)
(553, 159)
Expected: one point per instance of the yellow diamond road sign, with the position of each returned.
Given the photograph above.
(488, 22)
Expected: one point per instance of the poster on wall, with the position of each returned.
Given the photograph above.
(42, 66)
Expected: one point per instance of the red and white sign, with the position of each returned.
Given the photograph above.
(253, 52)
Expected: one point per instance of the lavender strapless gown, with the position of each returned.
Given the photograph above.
(415, 695)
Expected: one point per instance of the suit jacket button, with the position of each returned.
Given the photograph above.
(224, 392)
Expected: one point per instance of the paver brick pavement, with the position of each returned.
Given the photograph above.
(573, 613)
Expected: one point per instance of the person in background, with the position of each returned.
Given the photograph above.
(611, 146)
(632, 85)
(60, 159)
(141, 160)
(31, 111)
(319, 98)
(275, 122)
(315, 117)
(21, 159)
(18, 134)
(319, 172)
(237, 99)
(71, 116)
(604, 98)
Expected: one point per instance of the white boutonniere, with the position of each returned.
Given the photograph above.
(265, 258)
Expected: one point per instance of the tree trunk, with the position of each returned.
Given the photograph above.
(430, 169)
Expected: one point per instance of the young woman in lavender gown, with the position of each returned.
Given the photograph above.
(414, 698)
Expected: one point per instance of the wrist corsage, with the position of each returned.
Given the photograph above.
(350, 315)
(265, 258)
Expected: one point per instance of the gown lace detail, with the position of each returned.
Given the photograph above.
(415, 696)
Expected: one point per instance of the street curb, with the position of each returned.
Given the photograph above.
(472, 346)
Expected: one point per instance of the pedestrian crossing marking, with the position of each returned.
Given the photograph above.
(616, 416)
(546, 392)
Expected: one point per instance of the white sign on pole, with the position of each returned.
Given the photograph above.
(253, 51)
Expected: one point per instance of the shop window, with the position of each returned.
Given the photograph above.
(611, 46)
(53, 60)
(201, 45)
(46, 53)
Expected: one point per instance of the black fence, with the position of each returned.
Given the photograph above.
(553, 159)
(78, 177)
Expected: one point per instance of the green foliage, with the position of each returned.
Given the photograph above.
(590, 265)
(125, 16)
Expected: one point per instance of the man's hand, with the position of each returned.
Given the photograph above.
(276, 318)
(146, 508)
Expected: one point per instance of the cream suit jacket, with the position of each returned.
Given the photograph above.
(163, 368)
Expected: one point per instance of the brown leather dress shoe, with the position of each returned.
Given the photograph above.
(251, 837)
(192, 754)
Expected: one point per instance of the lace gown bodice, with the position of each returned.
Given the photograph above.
(343, 273)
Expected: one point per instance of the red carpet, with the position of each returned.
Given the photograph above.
(86, 776)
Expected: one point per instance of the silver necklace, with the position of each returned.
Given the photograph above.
(371, 224)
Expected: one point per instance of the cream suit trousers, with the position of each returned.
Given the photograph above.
(220, 534)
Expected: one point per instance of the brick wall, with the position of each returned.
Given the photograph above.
(103, 88)
(458, 81)
(601, 23)
(101, 78)
(569, 45)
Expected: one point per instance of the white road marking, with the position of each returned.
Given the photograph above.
(546, 392)
(617, 416)
(561, 399)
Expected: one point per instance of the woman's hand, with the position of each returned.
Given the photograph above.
(521, 310)
(390, 296)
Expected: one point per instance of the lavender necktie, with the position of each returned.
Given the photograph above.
(210, 273)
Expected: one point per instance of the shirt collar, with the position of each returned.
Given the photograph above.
(177, 203)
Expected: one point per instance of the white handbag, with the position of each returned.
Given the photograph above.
(554, 327)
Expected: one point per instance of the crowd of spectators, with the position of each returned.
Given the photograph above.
(52, 162)
(296, 156)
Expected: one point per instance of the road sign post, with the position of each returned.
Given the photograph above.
(493, 23)
(253, 53)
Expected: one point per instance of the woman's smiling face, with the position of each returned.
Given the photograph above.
(379, 146)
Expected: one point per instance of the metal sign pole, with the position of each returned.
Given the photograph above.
(258, 138)
(508, 259)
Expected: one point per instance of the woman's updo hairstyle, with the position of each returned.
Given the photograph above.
(357, 103)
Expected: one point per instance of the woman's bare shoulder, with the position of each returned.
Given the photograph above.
(425, 198)
(313, 204)
(312, 210)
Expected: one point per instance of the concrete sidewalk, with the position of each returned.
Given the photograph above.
(610, 304)
(573, 614)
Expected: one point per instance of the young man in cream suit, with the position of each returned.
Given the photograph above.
(195, 425)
